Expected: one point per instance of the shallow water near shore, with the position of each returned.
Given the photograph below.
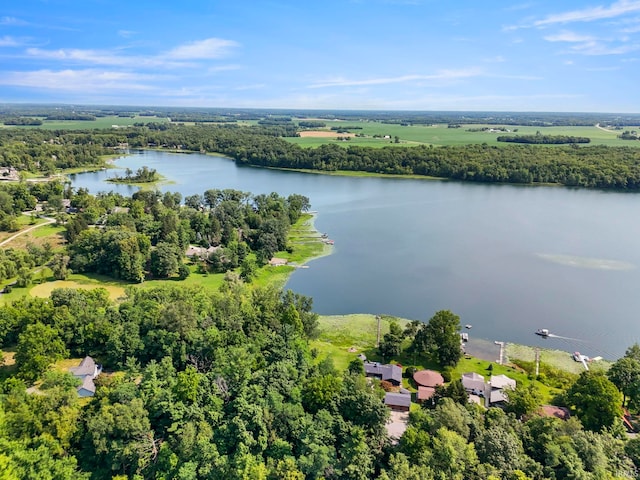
(507, 259)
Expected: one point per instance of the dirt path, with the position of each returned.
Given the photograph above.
(22, 232)
(604, 129)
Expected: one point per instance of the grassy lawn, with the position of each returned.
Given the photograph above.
(51, 233)
(115, 288)
(343, 337)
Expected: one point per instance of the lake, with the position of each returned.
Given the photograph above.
(507, 259)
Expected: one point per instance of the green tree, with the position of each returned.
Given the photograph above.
(625, 374)
(60, 266)
(38, 347)
(595, 400)
(391, 344)
(523, 400)
(440, 338)
(165, 260)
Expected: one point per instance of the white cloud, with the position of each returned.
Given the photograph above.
(179, 57)
(12, 21)
(209, 48)
(616, 9)
(8, 41)
(569, 37)
(126, 33)
(88, 80)
(590, 45)
(442, 75)
(223, 68)
(102, 57)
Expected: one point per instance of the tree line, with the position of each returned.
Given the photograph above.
(591, 166)
(540, 139)
(223, 385)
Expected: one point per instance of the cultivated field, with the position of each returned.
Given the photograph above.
(440, 134)
(99, 122)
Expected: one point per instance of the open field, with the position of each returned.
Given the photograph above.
(440, 134)
(115, 289)
(99, 122)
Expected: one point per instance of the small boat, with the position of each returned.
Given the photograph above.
(467, 326)
(543, 332)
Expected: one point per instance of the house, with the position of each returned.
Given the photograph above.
(498, 384)
(10, 174)
(278, 262)
(86, 371)
(501, 382)
(474, 383)
(425, 393)
(400, 402)
(428, 378)
(390, 373)
(200, 252)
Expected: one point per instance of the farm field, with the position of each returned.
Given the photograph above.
(99, 122)
(440, 134)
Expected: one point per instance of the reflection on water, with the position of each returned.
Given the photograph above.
(412, 247)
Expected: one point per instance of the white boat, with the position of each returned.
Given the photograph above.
(543, 332)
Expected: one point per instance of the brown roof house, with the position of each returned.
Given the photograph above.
(86, 371)
(427, 380)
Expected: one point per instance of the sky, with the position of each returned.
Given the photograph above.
(571, 56)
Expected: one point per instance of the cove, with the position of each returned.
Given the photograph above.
(507, 259)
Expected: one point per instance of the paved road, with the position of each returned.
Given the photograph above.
(22, 232)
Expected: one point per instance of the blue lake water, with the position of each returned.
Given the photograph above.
(507, 259)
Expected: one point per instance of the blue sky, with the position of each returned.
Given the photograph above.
(581, 56)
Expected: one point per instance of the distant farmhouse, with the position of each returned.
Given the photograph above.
(9, 174)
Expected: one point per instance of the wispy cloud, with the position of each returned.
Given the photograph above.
(12, 21)
(209, 48)
(102, 57)
(442, 75)
(8, 41)
(590, 45)
(616, 9)
(79, 80)
(126, 33)
(223, 68)
(567, 36)
(180, 57)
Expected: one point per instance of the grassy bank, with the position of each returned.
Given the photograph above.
(343, 337)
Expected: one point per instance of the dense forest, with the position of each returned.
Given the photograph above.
(591, 166)
(540, 139)
(223, 385)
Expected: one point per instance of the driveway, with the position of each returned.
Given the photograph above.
(397, 424)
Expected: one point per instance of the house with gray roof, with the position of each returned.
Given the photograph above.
(400, 402)
(86, 371)
(388, 372)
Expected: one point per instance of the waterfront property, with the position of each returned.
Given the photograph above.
(389, 373)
